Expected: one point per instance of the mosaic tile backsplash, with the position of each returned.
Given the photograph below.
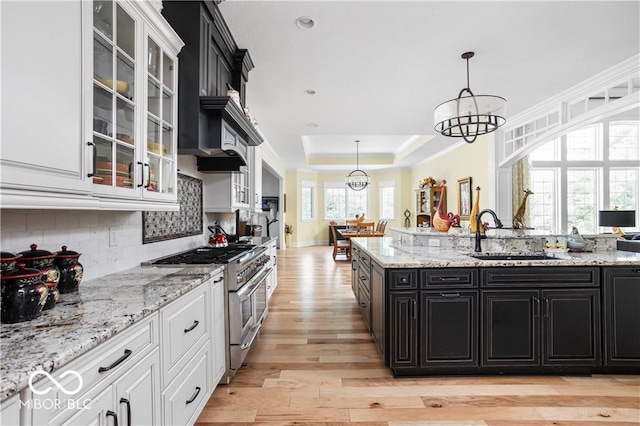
(160, 226)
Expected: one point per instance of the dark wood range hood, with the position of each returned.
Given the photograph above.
(211, 125)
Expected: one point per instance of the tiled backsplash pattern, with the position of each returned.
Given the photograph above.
(87, 232)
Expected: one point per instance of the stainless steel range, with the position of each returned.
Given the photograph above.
(245, 280)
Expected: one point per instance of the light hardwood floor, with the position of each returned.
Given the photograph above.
(315, 362)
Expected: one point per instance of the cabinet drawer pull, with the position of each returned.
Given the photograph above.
(414, 313)
(114, 415)
(637, 271)
(195, 324)
(403, 280)
(195, 395)
(126, 401)
(449, 278)
(127, 354)
(218, 280)
(450, 294)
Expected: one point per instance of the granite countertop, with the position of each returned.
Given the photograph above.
(81, 321)
(389, 253)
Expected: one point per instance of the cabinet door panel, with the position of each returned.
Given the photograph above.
(402, 330)
(138, 393)
(571, 325)
(510, 328)
(448, 328)
(622, 316)
(43, 140)
(378, 307)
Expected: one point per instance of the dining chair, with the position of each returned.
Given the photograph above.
(366, 227)
(382, 224)
(351, 223)
(339, 246)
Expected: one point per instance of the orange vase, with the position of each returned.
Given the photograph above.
(474, 211)
(441, 221)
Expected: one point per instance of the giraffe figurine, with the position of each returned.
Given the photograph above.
(518, 218)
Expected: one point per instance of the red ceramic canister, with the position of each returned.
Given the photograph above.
(43, 260)
(23, 294)
(71, 271)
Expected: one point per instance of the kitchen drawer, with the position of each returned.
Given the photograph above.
(185, 327)
(449, 278)
(185, 397)
(364, 260)
(402, 279)
(98, 367)
(559, 276)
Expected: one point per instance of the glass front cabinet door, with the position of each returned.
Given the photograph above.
(134, 102)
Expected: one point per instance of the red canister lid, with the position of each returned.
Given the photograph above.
(67, 253)
(34, 253)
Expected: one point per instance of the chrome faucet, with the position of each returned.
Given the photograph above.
(479, 236)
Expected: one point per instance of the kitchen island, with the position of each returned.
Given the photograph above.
(438, 310)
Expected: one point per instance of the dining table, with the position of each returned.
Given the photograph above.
(348, 233)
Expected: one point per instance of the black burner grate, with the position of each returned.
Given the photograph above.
(206, 255)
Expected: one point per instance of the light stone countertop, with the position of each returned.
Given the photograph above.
(389, 253)
(81, 321)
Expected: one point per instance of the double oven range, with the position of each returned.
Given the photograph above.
(247, 268)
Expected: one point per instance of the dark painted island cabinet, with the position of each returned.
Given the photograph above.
(502, 320)
(621, 313)
(541, 317)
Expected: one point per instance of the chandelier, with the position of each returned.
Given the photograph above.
(357, 179)
(470, 116)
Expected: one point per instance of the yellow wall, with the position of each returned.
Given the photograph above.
(316, 232)
(458, 163)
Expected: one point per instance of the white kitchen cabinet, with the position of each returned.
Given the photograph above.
(133, 400)
(186, 396)
(88, 122)
(256, 176)
(10, 411)
(185, 329)
(272, 282)
(137, 393)
(125, 366)
(134, 112)
(227, 191)
(42, 102)
(218, 338)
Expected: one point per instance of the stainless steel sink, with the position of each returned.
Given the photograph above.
(515, 256)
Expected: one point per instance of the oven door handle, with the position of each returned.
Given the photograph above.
(248, 290)
(252, 253)
(253, 329)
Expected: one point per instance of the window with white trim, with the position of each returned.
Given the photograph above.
(307, 200)
(593, 168)
(387, 199)
(341, 202)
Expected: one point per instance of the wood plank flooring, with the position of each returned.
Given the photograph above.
(315, 363)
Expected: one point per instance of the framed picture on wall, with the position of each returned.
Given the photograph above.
(269, 203)
(464, 198)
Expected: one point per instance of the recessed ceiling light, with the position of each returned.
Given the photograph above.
(312, 125)
(310, 92)
(305, 23)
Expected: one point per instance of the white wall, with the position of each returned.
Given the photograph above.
(87, 232)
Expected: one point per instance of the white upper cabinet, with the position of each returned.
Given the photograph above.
(100, 130)
(42, 102)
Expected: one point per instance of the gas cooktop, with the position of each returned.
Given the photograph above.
(205, 255)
